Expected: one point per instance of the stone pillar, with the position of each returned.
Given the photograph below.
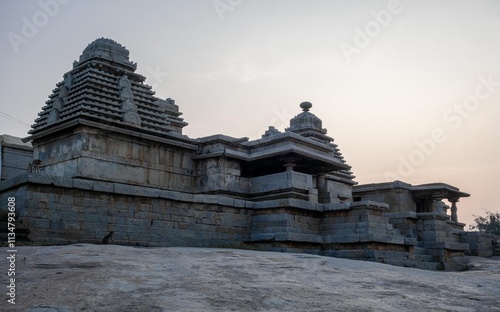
(322, 186)
(289, 167)
(289, 173)
(454, 216)
(437, 203)
(321, 182)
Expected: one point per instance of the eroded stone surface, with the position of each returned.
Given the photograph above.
(86, 277)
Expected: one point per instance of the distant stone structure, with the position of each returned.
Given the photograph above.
(111, 158)
(482, 244)
(15, 156)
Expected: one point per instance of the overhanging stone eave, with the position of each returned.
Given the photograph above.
(288, 136)
(288, 149)
(291, 149)
(373, 187)
(333, 177)
(417, 190)
(171, 139)
(446, 189)
(120, 67)
(329, 164)
(14, 142)
(220, 138)
(369, 204)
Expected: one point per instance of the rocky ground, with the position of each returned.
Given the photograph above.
(87, 277)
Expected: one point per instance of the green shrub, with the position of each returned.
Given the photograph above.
(488, 224)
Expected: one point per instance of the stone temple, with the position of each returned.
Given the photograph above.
(105, 155)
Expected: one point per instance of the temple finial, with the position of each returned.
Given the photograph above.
(305, 106)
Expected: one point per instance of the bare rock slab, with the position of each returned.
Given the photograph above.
(86, 277)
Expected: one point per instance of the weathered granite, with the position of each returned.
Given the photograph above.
(482, 244)
(15, 157)
(111, 157)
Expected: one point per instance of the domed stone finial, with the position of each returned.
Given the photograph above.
(305, 106)
(104, 48)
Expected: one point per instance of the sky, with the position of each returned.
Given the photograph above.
(409, 90)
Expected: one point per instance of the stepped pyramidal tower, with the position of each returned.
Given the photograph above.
(104, 87)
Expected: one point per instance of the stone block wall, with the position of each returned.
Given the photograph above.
(331, 191)
(86, 211)
(283, 185)
(96, 154)
(399, 199)
(358, 224)
(432, 230)
(286, 224)
(364, 233)
(70, 210)
(435, 228)
(354, 231)
(405, 222)
(14, 157)
(220, 175)
(482, 244)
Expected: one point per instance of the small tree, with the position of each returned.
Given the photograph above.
(489, 223)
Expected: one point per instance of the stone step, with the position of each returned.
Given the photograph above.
(16, 230)
(19, 237)
(394, 231)
(421, 244)
(19, 232)
(387, 254)
(428, 266)
(400, 262)
(424, 258)
(420, 251)
(22, 235)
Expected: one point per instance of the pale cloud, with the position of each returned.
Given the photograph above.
(242, 68)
